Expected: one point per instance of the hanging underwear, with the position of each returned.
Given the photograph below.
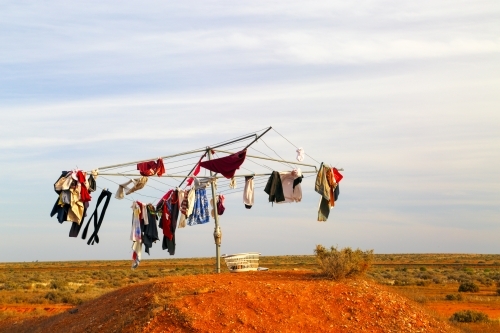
(226, 166)
(97, 219)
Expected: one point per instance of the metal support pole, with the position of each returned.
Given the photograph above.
(217, 231)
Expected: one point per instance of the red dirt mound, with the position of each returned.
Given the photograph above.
(245, 302)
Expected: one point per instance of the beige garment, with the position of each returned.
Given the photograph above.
(248, 193)
(59, 184)
(139, 183)
(63, 183)
(182, 221)
(75, 212)
(181, 194)
(232, 183)
(191, 196)
(182, 217)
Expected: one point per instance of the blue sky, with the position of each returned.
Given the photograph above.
(404, 96)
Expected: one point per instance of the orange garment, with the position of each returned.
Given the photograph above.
(330, 178)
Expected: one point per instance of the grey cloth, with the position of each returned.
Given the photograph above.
(323, 210)
(66, 197)
(321, 186)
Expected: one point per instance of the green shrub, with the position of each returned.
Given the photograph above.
(468, 287)
(338, 264)
(469, 316)
(423, 269)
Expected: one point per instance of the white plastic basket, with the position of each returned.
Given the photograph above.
(242, 262)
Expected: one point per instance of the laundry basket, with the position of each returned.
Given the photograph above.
(242, 262)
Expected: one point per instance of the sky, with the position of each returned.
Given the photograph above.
(403, 95)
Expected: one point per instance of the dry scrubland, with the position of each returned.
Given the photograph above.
(432, 280)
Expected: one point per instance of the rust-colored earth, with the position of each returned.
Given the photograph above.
(285, 301)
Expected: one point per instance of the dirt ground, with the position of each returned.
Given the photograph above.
(280, 301)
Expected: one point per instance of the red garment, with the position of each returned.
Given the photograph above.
(84, 193)
(141, 208)
(167, 195)
(226, 166)
(80, 177)
(166, 222)
(337, 175)
(151, 168)
(195, 173)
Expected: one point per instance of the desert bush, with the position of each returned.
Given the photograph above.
(469, 316)
(468, 287)
(83, 289)
(451, 297)
(338, 264)
(437, 280)
(58, 284)
(423, 283)
(498, 292)
(102, 284)
(62, 297)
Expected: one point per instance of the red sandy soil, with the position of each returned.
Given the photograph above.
(282, 301)
(26, 308)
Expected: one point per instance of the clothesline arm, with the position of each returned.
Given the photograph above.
(183, 176)
(151, 159)
(175, 155)
(256, 138)
(272, 159)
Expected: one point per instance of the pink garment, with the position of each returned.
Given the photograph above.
(226, 166)
(291, 194)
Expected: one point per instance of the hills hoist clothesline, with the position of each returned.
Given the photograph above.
(179, 206)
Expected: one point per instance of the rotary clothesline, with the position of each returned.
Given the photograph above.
(169, 205)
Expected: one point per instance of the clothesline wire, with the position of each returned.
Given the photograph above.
(262, 165)
(227, 192)
(156, 180)
(295, 145)
(284, 163)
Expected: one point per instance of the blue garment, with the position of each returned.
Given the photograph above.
(200, 213)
